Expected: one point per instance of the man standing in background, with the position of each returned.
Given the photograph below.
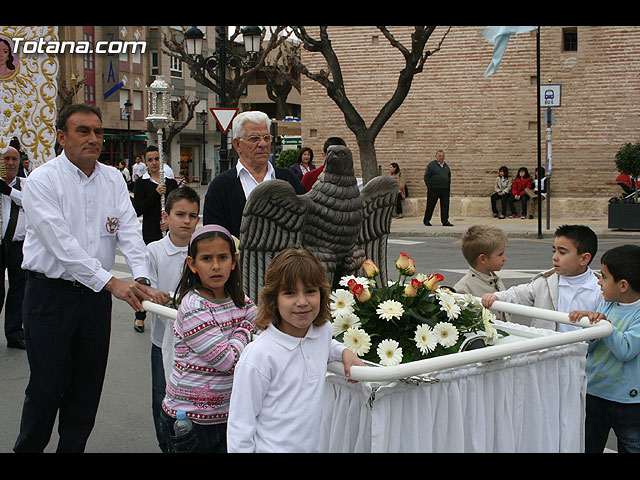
(437, 178)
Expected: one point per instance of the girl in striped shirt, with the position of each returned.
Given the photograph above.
(214, 324)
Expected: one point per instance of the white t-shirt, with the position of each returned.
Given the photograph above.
(580, 292)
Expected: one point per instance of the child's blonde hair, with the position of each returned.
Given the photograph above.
(285, 269)
(481, 239)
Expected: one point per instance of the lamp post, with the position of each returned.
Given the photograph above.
(221, 58)
(203, 121)
(159, 114)
(127, 108)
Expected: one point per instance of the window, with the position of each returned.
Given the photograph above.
(89, 94)
(570, 39)
(88, 58)
(154, 63)
(176, 67)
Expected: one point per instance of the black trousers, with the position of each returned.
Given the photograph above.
(67, 330)
(12, 302)
(433, 195)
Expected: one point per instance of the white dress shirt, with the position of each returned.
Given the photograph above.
(15, 196)
(74, 222)
(579, 292)
(248, 181)
(278, 385)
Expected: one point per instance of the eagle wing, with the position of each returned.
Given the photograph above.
(272, 220)
(379, 197)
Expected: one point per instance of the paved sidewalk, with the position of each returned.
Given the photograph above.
(513, 227)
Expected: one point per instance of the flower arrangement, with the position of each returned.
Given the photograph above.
(407, 320)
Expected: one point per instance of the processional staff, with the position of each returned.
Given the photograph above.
(159, 114)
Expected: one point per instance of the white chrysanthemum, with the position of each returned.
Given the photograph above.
(470, 301)
(488, 320)
(421, 277)
(446, 333)
(357, 340)
(389, 352)
(390, 309)
(344, 281)
(448, 304)
(342, 302)
(425, 339)
(342, 323)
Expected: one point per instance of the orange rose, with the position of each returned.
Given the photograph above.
(361, 293)
(370, 268)
(403, 262)
(411, 269)
(411, 289)
(433, 281)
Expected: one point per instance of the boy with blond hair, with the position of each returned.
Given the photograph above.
(483, 247)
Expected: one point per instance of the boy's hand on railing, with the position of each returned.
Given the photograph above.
(488, 299)
(593, 317)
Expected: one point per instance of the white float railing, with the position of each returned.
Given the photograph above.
(422, 367)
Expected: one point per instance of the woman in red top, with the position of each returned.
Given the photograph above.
(521, 182)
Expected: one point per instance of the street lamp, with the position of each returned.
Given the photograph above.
(203, 121)
(220, 59)
(127, 108)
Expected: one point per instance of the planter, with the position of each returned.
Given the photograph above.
(624, 216)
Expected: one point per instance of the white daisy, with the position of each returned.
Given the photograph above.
(448, 304)
(390, 309)
(342, 323)
(488, 319)
(425, 339)
(344, 281)
(446, 333)
(342, 302)
(357, 340)
(389, 352)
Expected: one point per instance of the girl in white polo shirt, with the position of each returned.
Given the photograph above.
(276, 399)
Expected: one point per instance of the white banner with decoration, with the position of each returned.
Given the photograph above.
(28, 90)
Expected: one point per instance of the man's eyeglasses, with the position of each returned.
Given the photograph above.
(256, 138)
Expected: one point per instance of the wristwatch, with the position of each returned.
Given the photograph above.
(144, 281)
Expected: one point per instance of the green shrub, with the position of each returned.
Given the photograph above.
(287, 158)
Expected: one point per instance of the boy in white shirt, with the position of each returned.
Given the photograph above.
(569, 285)
(166, 262)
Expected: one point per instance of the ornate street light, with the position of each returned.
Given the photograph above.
(128, 106)
(219, 60)
(203, 120)
(159, 114)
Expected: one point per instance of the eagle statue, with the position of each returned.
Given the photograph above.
(341, 225)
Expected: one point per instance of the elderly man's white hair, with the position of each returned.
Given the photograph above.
(251, 116)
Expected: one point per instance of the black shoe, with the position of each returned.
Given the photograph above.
(447, 224)
(427, 224)
(16, 344)
(138, 328)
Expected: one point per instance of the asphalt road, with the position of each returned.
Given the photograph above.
(124, 423)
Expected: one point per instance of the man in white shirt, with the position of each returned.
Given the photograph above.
(77, 211)
(11, 249)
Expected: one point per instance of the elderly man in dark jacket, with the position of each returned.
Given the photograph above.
(437, 178)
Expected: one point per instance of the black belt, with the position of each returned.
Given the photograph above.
(59, 281)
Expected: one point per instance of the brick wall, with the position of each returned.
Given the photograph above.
(481, 123)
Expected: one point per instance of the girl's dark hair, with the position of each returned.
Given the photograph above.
(396, 166)
(284, 271)
(526, 172)
(505, 170)
(191, 281)
(302, 150)
(623, 263)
